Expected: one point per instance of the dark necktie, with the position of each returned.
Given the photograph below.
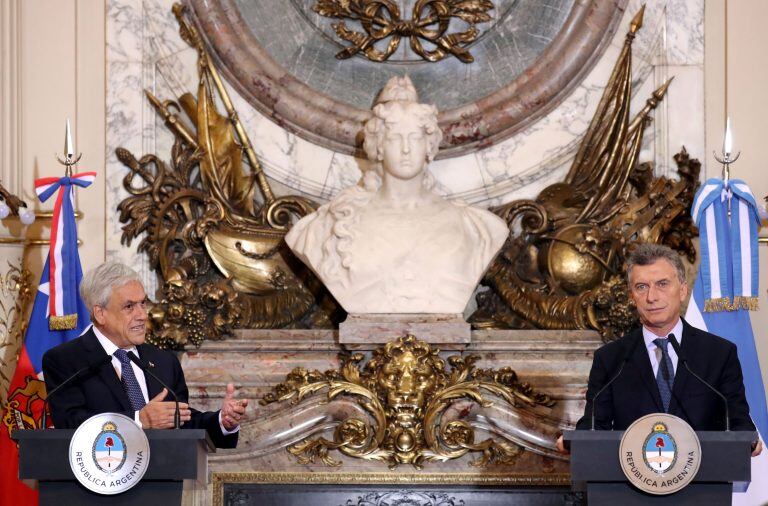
(130, 383)
(665, 376)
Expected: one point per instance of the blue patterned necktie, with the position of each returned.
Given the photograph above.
(665, 376)
(130, 383)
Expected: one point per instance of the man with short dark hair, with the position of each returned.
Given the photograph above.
(117, 302)
(651, 381)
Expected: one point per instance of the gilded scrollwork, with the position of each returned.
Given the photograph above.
(405, 388)
(563, 265)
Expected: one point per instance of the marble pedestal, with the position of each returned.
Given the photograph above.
(554, 362)
(372, 328)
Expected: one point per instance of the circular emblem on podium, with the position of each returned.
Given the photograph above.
(109, 453)
(660, 454)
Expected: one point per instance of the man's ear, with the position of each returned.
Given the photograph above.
(98, 315)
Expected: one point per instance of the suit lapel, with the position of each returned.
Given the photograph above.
(642, 362)
(688, 348)
(107, 373)
(146, 355)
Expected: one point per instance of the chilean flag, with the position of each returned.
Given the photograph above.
(58, 315)
(63, 259)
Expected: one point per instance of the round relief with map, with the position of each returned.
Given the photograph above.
(526, 56)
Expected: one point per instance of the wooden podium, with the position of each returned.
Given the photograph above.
(175, 456)
(725, 468)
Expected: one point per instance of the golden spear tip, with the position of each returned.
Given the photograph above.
(662, 90)
(152, 98)
(637, 21)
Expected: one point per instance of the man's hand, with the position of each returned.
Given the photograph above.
(232, 409)
(158, 414)
(758, 449)
(561, 446)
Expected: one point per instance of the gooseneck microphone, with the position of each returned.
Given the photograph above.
(624, 361)
(90, 367)
(682, 358)
(147, 368)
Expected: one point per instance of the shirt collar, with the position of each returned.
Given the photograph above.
(677, 330)
(108, 345)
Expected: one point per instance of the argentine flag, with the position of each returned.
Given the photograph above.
(729, 271)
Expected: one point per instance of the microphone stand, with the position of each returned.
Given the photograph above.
(94, 366)
(615, 376)
(147, 368)
(681, 358)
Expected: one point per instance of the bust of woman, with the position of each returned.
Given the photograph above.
(390, 244)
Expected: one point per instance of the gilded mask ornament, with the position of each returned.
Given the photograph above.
(381, 21)
(406, 389)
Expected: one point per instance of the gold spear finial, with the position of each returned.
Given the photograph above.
(637, 21)
(662, 90)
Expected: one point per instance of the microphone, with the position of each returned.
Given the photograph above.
(90, 367)
(147, 368)
(624, 361)
(681, 358)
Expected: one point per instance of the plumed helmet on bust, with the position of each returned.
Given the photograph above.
(398, 89)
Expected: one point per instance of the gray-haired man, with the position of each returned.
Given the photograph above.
(117, 302)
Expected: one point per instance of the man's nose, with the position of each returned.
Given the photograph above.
(406, 146)
(652, 294)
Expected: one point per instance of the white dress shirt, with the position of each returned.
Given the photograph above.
(111, 348)
(654, 352)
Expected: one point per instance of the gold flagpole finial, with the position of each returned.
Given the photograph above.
(637, 21)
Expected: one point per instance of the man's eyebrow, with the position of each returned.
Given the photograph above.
(145, 299)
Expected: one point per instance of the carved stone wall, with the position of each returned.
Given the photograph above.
(555, 362)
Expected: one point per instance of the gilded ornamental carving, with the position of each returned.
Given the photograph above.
(406, 389)
(563, 265)
(213, 229)
(382, 20)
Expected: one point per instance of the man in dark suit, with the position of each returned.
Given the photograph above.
(117, 302)
(653, 380)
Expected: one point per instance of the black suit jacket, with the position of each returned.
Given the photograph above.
(635, 393)
(101, 391)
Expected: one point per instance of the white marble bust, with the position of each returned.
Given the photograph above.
(390, 244)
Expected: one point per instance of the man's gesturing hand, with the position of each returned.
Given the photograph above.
(158, 414)
(232, 409)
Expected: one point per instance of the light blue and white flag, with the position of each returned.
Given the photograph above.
(726, 287)
(728, 244)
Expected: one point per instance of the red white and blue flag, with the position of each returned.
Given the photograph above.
(58, 315)
(63, 282)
